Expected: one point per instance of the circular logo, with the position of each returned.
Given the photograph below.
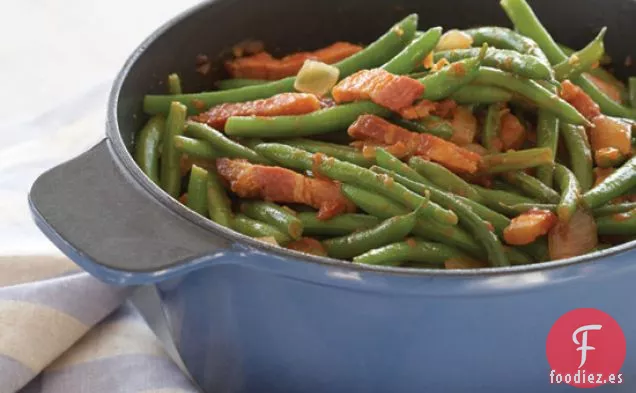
(586, 348)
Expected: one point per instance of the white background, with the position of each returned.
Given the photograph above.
(57, 60)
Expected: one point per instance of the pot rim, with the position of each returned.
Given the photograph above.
(124, 158)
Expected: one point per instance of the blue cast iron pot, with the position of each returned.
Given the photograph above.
(249, 317)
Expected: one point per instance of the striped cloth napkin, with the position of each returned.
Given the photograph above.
(63, 331)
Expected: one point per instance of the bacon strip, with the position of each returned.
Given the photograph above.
(283, 185)
(579, 100)
(380, 86)
(378, 130)
(425, 108)
(278, 105)
(527, 227)
(264, 66)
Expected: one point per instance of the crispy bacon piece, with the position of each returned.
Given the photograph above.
(464, 125)
(512, 133)
(264, 66)
(579, 100)
(528, 226)
(390, 91)
(425, 108)
(308, 245)
(608, 132)
(279, 105)
(283, 185)
(375, 129)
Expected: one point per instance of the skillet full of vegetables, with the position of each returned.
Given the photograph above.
(426, 148)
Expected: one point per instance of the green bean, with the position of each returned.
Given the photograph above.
(237, 83)
(620, 224)
(498, 221)
(279, 217)
(516, 160)
(353, 174)
(413, 54)
(614, 209)
(375, 54)
(615, 185)
(570, 192)
(219, 207)
(147, 147)
(170, 169)
(547, 136)
(526, 66)
(578, 147)
(198, 190)
(320, 122)
(529, 25)
(480, 94)
(174, 84)
(443, 83)
(389, 231)
(478, 228)
(632, 91)
(384, 208)
(533, 91)
(444, 179)
(504, 38)
(604, 60)
(340, 225)
(492, 127)
(224, 145)
(411, 250)
(440, 129)
(257, 229)
(497, 200)
(195, 148)
(521, 208)
(532, 187)
(341, 152)
(582, 60)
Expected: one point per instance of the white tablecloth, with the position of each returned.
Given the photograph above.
(57, 60)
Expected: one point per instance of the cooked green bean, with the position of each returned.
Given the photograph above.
(253, 228)
(533, 91)
(617, 224)
(223, 144)
(412, 250)
(532, 187)
(547, 136)
(526, 207)
(279, 217)
(516, 160)
(526, 66)
(614, 209)
(480, 94)
(174, 84)
(237, 83)
(341, 225)
(319, 122)
(492, 127)
(504, 38)
(615, 185)
(341, 152)
(413, 54)
(198, 190)
(384, 208)
(444, 179)
(147, 147)
(195, 148)
(583, 60)
(375, 54)
(440, 128)
(443, 83)
(497, 200)
(570, 192)
(353, 174)
(389, 231)
(219, 207)
(581, 162)
(604, 60)
(170, 169)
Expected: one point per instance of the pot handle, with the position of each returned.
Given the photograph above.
(106, 222)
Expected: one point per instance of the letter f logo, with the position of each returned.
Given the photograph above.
(583, 344)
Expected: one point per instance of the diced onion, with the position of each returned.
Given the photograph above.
(576, 237)
(454, 39)
(316, 77)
